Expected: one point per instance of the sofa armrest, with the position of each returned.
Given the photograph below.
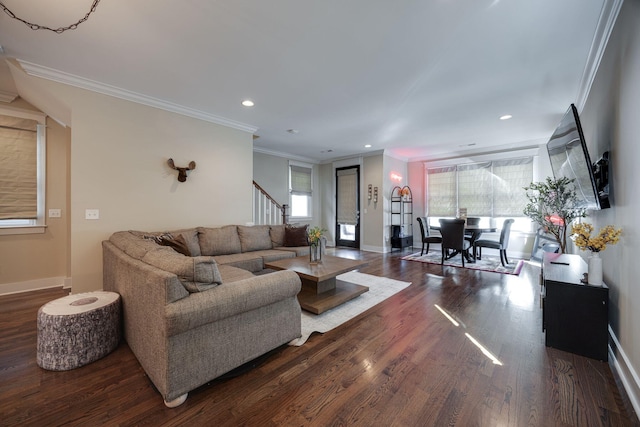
(230, 299)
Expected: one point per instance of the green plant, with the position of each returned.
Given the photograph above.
(315, 234)
(553, 206)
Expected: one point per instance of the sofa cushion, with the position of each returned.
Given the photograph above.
(197, 274)
(231, 274)
(219, 241)
(251, 261)
(295, 236)
(274, 255)
(254, 238)
(276, 233)
(296, 250)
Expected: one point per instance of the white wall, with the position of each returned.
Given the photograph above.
(610, 122)
(119, 151)
(372, 214)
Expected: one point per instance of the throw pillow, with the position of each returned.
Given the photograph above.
(295, 236)
(178, 244)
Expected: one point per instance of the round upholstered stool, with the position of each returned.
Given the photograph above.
(78, 329)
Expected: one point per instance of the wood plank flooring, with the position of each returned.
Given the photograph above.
(401, 363)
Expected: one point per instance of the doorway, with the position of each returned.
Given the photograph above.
(348, 206)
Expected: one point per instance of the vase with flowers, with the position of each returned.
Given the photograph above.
(581, 235)
(316, 237)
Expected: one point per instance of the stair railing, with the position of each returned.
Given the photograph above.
(265, 209)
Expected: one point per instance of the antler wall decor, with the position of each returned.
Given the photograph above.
(182, 172)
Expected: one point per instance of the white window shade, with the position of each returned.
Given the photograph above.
(510, 177)
(489, 189)
(474, 189)
(18, 168)
(300, 180)
(441, 191)
(347, 190)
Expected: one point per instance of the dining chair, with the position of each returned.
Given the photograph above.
(452, 231)
(501, 244)
(471, 236)
(427, 238)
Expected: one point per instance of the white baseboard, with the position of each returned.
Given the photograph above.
(378, 249)
(34, 285)
(621, 363)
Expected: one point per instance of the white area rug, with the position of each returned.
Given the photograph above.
(380, 288)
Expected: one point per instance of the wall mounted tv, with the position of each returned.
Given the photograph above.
(569, 158)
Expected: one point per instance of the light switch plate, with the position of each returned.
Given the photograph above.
(55, 213)
(92, 214)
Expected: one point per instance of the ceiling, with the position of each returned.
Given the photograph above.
(416, 78)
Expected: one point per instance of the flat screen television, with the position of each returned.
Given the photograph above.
(570, 159)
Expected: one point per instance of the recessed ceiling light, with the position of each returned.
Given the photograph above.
(367, 146)
(248, 103)
(506, 117)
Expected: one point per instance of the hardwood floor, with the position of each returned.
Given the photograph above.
(402, 363)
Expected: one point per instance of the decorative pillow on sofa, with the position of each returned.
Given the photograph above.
(295, 236)
(191, 237)
(254, 238)
(178, 244)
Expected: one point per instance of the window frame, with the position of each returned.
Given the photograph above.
(309, 196)
(38, 225)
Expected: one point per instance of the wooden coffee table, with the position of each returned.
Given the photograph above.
(321, 290)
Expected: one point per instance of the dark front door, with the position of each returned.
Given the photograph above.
(348, 206)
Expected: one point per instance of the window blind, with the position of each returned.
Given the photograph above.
(300, 180)
(474, 188)
(441, 191)
(490, 189)
(18, 168)
(347, 191)
(510, 177)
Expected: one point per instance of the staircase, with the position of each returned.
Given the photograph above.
(266, 211)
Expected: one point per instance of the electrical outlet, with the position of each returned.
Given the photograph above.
(92, 214)
(55, 213)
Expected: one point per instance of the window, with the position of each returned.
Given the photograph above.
(489, 190)
(300, 189)
(22, 172)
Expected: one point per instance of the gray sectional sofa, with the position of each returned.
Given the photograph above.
(193, 308)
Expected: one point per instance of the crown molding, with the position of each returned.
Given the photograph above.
(606, 22)
(284, 155)
(47, 73)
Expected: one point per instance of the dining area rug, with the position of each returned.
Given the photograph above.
(487, 263)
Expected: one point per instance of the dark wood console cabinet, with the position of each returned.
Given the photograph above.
(575, 316)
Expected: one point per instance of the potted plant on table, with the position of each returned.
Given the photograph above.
(553, 205)
(581, 235)
(315, 236)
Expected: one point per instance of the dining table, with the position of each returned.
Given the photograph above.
(472, 233)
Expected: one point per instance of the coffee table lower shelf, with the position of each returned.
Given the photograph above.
(318, 303)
